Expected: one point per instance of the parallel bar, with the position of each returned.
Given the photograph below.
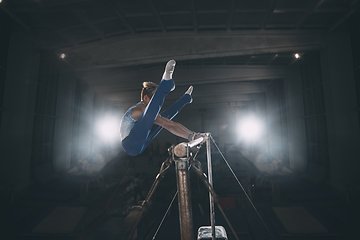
(209, 167)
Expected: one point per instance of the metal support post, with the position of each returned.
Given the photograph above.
(184, 198)
(210, 179)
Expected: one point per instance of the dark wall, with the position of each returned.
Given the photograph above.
(355, 45)
(353, 184)
(314, 110)
(36, 111)
(298, 159)
(330, 101)
(342, 119)
(53, 118)
(4, 46)
(18, 103)
(45, 110)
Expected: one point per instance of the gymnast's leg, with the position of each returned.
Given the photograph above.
(171, 112)
(135, 142)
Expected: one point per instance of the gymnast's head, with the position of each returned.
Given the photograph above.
(148, 91)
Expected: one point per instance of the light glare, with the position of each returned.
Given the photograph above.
(250, 129)
(108, 129)
(297, 55)
(62, 55)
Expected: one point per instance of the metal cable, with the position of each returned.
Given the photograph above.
(227, 163)
(117, 188)
(167, 211)
(197, 151)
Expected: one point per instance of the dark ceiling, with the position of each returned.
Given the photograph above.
(72, 23)
(130, 33)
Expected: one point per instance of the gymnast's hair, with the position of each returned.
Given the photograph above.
(149, 89)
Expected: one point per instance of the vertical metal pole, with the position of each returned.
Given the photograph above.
(210, 179)
(184, 199)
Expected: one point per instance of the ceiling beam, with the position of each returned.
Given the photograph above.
(174, 12)
(150, 49)
(352, 9)
(67, 38)
(283, 26)
(142, 14)
(251, 10)
(231, 10)
(290, 10)
(211, 11)
(147, 29)
(156, 14)
(248, 59)
(193, 15)
(313, 8)
(215, 105)
(55, 30)
(269, 13)
(51, 4)
(198, 101)
(121, 18)
(221, 26)
(246, 26)
(104, 20)
(222, 79)
(196, 104)
(15, 17)
(87, 22)
(20, 8)
(180, 27)
(331, 10)
(272, 59)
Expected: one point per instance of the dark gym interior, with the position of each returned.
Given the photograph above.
(70, 69)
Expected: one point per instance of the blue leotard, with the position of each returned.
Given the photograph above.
(136, 135)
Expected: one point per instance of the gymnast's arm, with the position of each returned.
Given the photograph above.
(173, 127)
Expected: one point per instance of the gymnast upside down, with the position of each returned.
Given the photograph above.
(142, 122)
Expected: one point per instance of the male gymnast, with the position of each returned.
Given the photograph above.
(142, 122)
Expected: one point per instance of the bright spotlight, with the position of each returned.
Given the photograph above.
(250, 128)
(297, 55)
(108, 128)
(62, 55)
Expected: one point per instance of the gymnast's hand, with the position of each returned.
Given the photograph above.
(195, 135)
(203, 135)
